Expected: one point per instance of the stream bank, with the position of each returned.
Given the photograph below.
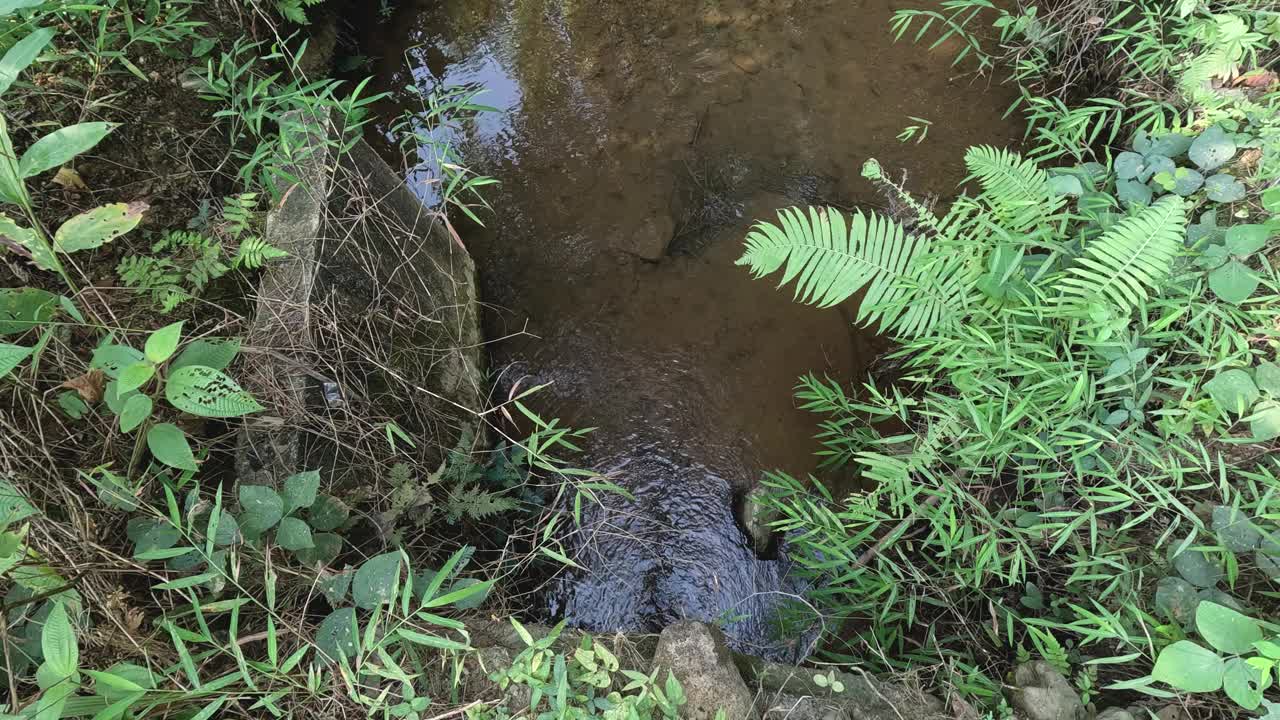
(635, 146)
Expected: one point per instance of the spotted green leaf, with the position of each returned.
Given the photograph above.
(300, 490)
(293, 534)
(1223, 188)
(1233, 390)
(203, 391)
(338, 634)
(1264, 422)
(376, 580)
(33, 245)
(112, 359)
(327, 513)
(261, 508)
(216, 353)
(97, 227)
(24, 308)
(1212, 149)
(325, 549)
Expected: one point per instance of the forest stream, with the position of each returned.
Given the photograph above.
(635, 144)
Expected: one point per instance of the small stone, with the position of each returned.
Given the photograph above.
(714, 18)
(651, 238)
(1115, 713)
(1042, 693)
(696, 654)
(746, 64)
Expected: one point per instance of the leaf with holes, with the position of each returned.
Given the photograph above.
(300, 490)
(169, 445)
(24, 308)
(216, 353)
(161, 343)
(98, 226)
(376, 580)
(135, 412)
(203, 391)
(11, 356)
(113, 359)
(261, 508)
(1243, 683)
(60, 146)
(1212, 149)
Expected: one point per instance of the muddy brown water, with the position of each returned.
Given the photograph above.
(637, 141)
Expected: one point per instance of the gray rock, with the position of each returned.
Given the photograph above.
(651, 238)
(1042, 693)
(1115, 713)
(480, 686)
(794, 707)
(756, 517)
(699, 658)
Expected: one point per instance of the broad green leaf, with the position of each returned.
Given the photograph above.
(11, 356)
(260, 509)
(1271, 200)
(114, 398)
(1267, 557)
(293, 534)
(1246, 239)
(162, 343)
(149, 534)
(338, 633)
(1176, 598)
(135, 411)
(325, 549)
(1132, 192)
(169, 445)
(1225, 629)
(58, 641)
(375, 581)
(1187, 666)
(135, 376)
(35, 245)
(22, 53)
(228, 532)
(1223, 188)
(1234, 529)
(61, 146)
(334, 587)
(1170, 144)
(121, 680)
(216, 353)
(328, 513)
(97, 227)
(1264, 421)
(7, 7)
(72, 404)
(206, 392)
(1267, 377)
(1186, 181)
(1243, 683)
(1233, 390)
(1196, 567)
(1128, 165)
(113, 359)
(1233, 282)
(12, 189)
(300, 491)
(1212, 149)
(24, 308)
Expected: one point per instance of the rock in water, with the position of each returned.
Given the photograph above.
(699, 658)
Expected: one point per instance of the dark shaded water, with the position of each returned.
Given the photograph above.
(638, 142)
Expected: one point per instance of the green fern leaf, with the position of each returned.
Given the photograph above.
(1130, 258)
(1016, 190)
(831, 261)
(477, 504)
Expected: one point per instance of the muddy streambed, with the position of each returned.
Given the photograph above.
(637, 142)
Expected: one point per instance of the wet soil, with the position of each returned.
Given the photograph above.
(636, 143)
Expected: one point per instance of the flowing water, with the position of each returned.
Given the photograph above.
(637, 140)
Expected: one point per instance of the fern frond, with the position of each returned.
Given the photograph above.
(831, 261)
(477, 504)
(254, 252)
(1016, 190)
(1130, 258)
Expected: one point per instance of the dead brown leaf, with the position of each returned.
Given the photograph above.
(1249, 158)
(1257, 79)
(89, 385)
(69, 179)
